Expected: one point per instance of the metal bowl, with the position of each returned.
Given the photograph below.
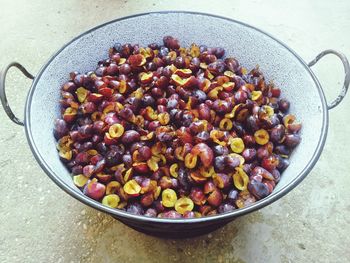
(250, 45)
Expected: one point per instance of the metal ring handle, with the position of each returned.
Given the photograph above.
(3, 97)
(346, 70)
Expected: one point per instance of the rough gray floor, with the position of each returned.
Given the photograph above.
(40, 223)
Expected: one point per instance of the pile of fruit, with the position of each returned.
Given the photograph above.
(172, 132)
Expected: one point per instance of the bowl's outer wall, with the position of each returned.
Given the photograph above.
(249, 46)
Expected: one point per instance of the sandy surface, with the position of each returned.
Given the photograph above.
(40, 223)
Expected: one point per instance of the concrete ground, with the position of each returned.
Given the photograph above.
(41, 223)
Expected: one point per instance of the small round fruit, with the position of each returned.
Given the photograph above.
(232, 196)
(189, 214)
(283, 105)
(132, 188)
(204, 152)
(237, 145)
(164, 118)
(113, 187)
(145, 153)
(183, 205)
(151, 212)
(249, 154)
(270, 163)
(170, 214)
(111, 200)
(258, 189)
(215, 198)
(222, 180)
(147, 199)
(277, 133)
(169, 198)
(262, 172)
(135, 208)
(130, 136)
(292, 140)
(261, 137)
(94, 189)
(190, 160)
(225, 208)
(116, 130)
(240, 179)
(197, 196)
(80, 180)
(174, 170)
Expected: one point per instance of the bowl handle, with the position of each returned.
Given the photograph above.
(3, 97)
(345, 62)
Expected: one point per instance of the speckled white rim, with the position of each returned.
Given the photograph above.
(124, 215)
